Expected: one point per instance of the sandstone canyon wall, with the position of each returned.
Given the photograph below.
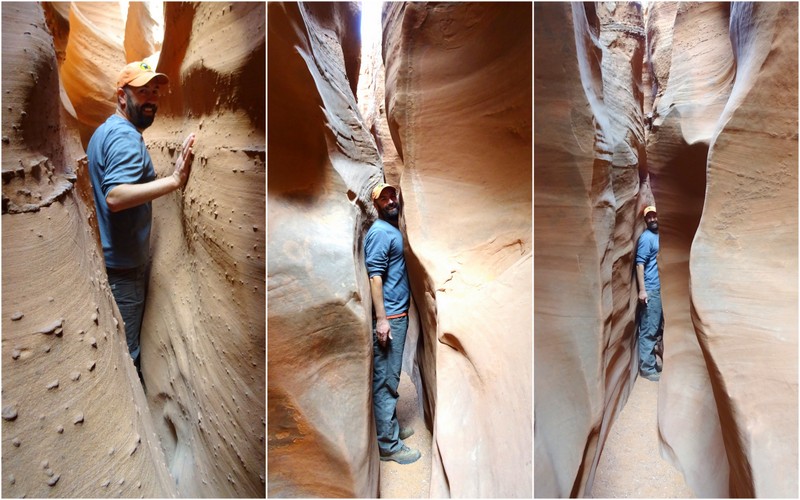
(458, 104)
(76, 420)
(719, 159)
(323, 164)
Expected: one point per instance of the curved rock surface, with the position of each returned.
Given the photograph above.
(719, 160)
(323, 163)
(201, 430)
(76, 423)
(458, 102)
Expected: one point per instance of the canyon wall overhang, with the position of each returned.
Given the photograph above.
(458, 103)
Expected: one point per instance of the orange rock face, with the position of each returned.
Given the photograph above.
(458, 103)
(81, 416)
(718, 158)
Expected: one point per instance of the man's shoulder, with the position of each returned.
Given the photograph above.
(116, 126)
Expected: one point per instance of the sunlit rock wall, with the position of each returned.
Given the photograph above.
(322, 165)
(75, 420)
(458, 101)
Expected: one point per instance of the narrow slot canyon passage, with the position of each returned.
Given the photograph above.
(673, 105)
(441, 111)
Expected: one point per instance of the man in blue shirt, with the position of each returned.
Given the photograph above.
(649, 296)
(124, 183)
(391, 296)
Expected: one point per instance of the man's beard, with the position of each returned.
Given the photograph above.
(136, 115)
(391, 214)
(653, 226)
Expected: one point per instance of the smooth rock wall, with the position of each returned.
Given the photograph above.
(743, 265)
(323, 163)
(458, 102)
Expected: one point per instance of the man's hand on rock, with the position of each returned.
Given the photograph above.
(183, 165)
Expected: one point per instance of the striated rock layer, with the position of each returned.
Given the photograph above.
(458, 103)
(720, 121)
(589, 141)
(75, 420)
(323, 164)
(201, 430)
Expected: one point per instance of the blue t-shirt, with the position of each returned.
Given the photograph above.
(383, 248)
(117, 155)
(646, 253)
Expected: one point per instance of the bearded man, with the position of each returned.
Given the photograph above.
(124, 183)
(391, 298)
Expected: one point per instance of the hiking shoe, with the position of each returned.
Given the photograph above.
(404, 455)
(653, 377)
(406, 432)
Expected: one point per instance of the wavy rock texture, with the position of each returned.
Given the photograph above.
(458, 104)
(693, 68)
(720, 95)
(589, 145)
(323, 163)
(747, 235)
(203, 359)
(76, 423)
(203, 336)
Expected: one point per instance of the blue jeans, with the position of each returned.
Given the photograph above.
(385, 379)
(649, 329)
(129, 287)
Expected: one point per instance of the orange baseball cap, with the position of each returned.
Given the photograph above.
(376, 193)
(649, 209)
(138, 73)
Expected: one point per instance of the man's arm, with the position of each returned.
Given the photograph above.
(640, 281)
(382, 328)
(124, 196)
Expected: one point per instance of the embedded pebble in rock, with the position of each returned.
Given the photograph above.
(106, 483)
(53, 480)
(78, 419)
(60, 429)
(93, 342)
(15, 354)
(11, 479)
(90, 366)
(9, 413)
(16, 442)
(49, 472)
(45, 464)
(46, 348)
(17, 316)
(75, 375)
(95, 318)
(51, 328)
(52, 385)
